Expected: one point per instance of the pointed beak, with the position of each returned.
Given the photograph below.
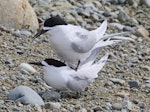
(36, 63)
(40, 33)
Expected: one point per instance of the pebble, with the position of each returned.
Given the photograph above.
(147, 85)
(121, 1)
(117, 81)
(117, 106)
(123, 16)
(25, 95)
(51, 95)
(118, 26)
(25, 32)
(127, 105)
(9, 62)
(128, 28)
(142, 32)
(142, 105)
(25, 67)
(145, 67)
(134, 83)
(123, 94)
(70, 19)
(146, 2)
(52, 105)
(82, 110)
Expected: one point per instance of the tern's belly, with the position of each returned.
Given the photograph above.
(65, 52)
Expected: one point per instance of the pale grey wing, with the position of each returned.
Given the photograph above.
(94, 54)
(83, 43)
(78, 84)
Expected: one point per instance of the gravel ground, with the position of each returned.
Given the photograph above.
(123, 84)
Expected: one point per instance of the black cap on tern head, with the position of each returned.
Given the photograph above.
(54, 21)
(54, 62)
(49, 61)
(51, 22)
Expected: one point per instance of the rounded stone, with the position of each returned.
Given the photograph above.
(18, 14)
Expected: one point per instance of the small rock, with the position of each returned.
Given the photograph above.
(127, 105)
(51, 95)
(123, 16)
(97, 4)
(38, 109)
(142, 105)
(145, 67)
(27, 68)
(128, 28)
(94, 17)
(117, 81)
(18, 14)
(107, 14)
(142, 32)
(146, 78)
(25, 32)
(146, 2)
(25, 95)
(117, 25)
(134, 83)
(135, 101)
(123, 94)
(117, 106)
(17, 33)
(16, 110)
(9, 62)
(121, 1)
(147, 85)
(70, 19)
(52, 105)
(82, 110)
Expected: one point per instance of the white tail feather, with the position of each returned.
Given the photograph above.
(101, 30)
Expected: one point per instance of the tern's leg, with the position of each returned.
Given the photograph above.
(77, 65)
(78, 94)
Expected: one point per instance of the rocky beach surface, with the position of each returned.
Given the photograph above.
(123, 84)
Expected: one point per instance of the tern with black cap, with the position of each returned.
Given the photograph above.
(75, 44)
(62, 77)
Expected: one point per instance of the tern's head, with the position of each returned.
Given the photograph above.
(49, 23)
(48, 62)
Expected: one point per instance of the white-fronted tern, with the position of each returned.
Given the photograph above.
(62, 77)
(74, 44)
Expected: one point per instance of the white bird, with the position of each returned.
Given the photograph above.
(74, 44)
(62, 77)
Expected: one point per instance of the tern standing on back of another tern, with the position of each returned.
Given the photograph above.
(74, 44)
(62, 77)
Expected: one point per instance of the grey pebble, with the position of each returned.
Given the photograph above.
(146, 2)
(117, 81)
(142, 105)
(128, 28)
(9, 62)
(127, 105)
(116, 106)
(25, 32)
(51, 95)
(52, 105)
(147, 85)
(121, 1)
(123, 16)
(134, 83)
(118, 26)
(25, 95)
(22, 32)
